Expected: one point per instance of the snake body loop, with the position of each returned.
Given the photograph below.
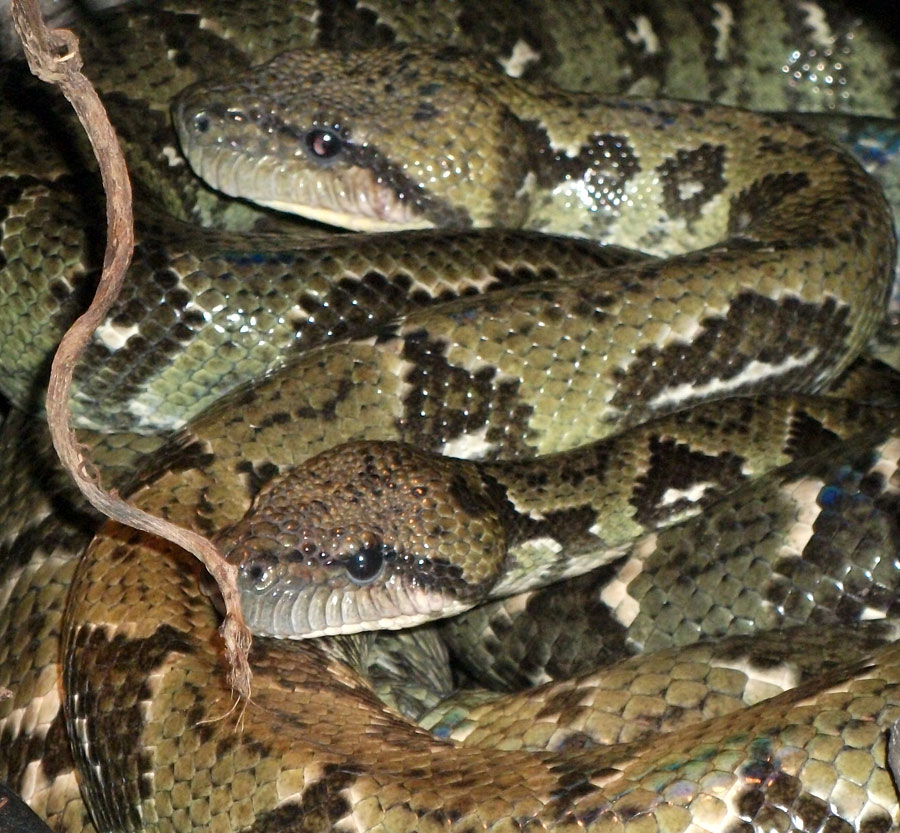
(713, 507)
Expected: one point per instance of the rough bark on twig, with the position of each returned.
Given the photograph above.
(53, 57)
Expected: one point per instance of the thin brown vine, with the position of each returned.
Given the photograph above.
(53, 56)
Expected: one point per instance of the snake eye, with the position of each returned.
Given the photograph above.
(259, 574)
(365, 565)
(201, 122)
(323, 144)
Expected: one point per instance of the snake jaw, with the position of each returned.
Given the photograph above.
(286, 594)
(348, 198)
(304, 608)
(366, 536)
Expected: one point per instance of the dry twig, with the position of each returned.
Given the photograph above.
(53, 57)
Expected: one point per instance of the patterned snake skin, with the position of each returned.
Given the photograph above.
(119, 717)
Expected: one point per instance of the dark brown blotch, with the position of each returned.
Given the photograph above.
(691, 178)
(446, 402)
(321, 806)
(755, 327)
(605, 163)
(674, 465)
(762, 198)
(105, 695)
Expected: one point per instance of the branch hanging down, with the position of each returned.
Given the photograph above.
(53, 57)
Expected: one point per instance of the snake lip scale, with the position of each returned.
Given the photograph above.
(380, 429)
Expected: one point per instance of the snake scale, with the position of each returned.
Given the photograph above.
(120, 718)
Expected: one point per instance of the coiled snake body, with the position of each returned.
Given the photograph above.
(796, 269)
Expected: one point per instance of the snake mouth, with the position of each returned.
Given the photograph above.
(305, 609)
(350, 199)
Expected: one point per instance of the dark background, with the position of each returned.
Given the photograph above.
(882, 12)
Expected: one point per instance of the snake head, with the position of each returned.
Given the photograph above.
(373, 140)
(366, 536)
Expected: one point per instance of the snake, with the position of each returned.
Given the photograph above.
(121, 718)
